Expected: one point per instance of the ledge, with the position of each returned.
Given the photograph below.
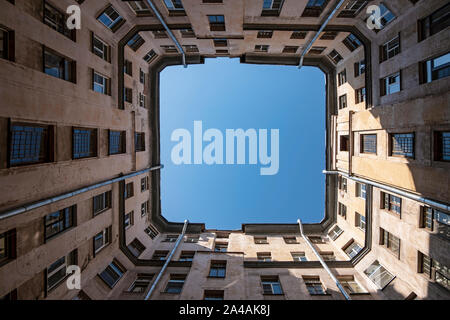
(297, 264)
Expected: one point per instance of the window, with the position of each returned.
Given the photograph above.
(111, 19)
(218, 269)
(102, 239)
(59, 221)
(222, 235)
(100, 48)
(352, 42)
(81, 296)
(140, 8)
(290, 240)
(213, 295)
(391, 203)
(434, 270)
(142, 98)
(144, 184)
(187, 256)
(344, 143)
(29, 144)
(342, 77)
(216, 23)
(142, 76)
(271, 285)
(150, 56)
(139, 141)
(316, 239)
(335, 232)
(145, 208)
(191, 48)
(369, 143)
(160, 34)
(192, 239)
(174, 5)
(7, 246)
(56, 272)
(265, 34)
(221, 247)
(314, 8)
(335, 56)
(290, 49)
(272, 7)
(299, 34)
(169, 48)
(352, 9)
(262, 48)
(151, 231)
(136, 247)
(390, 241)
(298, 256)
(386, 16)
(220, 42)
(101, 83)
(442, 145)
(7, 44)
(128, 68)
(343, 101)
(434, 69)
(436, 221)
(360, 68)
(160, 255)
(352, 249)
(101, 202)
(402, 144)
(434, 23)
(222, 52)
(342, 183)
(135, 42)
(117, 142)
(58, 66)
(379, 275)
(128, 220)
(350, 285)
(264, 256)
(260, 240)
(360, 221)
(187, 33)
(113, 273)
(390, 49)
(329, 35)
(175, 284)
(141, 283)
(84, 143)
(56, 20)
(390, 84)
(360, 95)
(317, 50)
(361, 190)
(128, 95)
(328, 256)
(314, 286)
(171, 238)
(342, 210)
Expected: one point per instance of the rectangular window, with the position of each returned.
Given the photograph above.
(128, 68)
(402, 144)
(352, 42)
(213, 295)
(100, 48)
(316, 239)
(314, 285)
(342, 210)
(128, 220)
(434, 69)
(390, 241)
(335, 232)
(328, 256)
(264, 256)
(128, 95)
(102, 239)
(442, 145)
(139, 141)
(216, 23)
(260, 240)
(221, 247)
(187, 256)
(136, 42)
(136, 247)
(7, 246)
(390, 84)
(191, 48)
(174, 5)
(342, 101)
(314, 8)
(390, 49)
(350, 285)
(145, 208)
(298, 256)
(187, 33)
(129, 190)
(142, 76)
(317, 50)
(117, 140)
(7, 44)
(290, 240)
(218, 269)
(329, 35)
(151, 231)
(140, 8)
(102, 202)
(84, 143)
(171, 238)
(272, 7)
(56, 272)
(342, 183)
(160, 34)
(342, 77)
(360, 95)
(111, 19)
(434, 270)
(192, 239)
(142, 99)
(434, 23)
(150, 56)
(169, 48)
(113, 273)
(265, 34)
(101, 83)
(220, 42)
(262, 48)
(360, 221)
(352, 249)
(352, 9)
(379, 275)
(58, 66)
(59, 221)
(299, 34)
(436, 221)
(30, 144)
(361, 190)
(391, 203)
(360, 68)
(56, 20)
(344, 143)
(175, 284)
(335, 56)
(290, 49)
(144, 184)
(369, 143)
(386, 16)
(160, 255)
(141, 283)
(271, 285)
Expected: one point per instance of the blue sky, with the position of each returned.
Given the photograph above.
(225, 94)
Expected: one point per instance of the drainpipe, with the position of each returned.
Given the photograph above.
(171, 35)
(409, 195)
(324, 24)
(324, 265)
(35, 205)
(155, 283)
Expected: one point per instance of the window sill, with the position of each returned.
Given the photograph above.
(359, 294)
(100, 212)
(212, 277)
(273, 294)
(170, 293)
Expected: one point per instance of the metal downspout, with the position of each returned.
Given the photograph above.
(324, 265)
(171, 35)
(155, 283)
(324, 24)
(31, 206)
(405, 194)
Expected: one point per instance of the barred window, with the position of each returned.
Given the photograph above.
(442, 146)
(402, 144)
(116, 142)
(59, 221)
(29, 144)
(369, 143)
(84, 143)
